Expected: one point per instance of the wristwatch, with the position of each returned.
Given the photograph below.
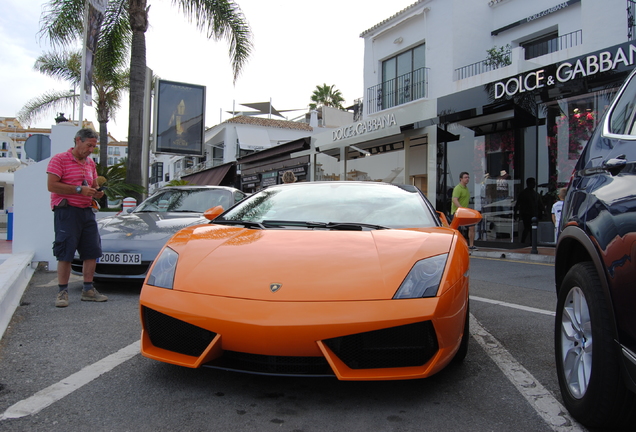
(78, 189)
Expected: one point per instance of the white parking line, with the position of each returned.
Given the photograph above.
(546, 405)
(514, 306)
(57, 391)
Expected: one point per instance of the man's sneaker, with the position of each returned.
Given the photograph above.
(473, 248)
(93, 295)
(62, 299)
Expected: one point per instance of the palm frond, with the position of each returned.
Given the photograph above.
(63, 65)
(62, 21)
(50, 101)
(222, 19)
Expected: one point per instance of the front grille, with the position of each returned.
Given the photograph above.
(272, 365)
(122, 269)
(175, 335)
(402, 346)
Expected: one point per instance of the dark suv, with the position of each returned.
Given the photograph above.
(595, 268)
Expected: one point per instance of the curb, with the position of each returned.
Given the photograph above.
(15, 273)
(514, 256)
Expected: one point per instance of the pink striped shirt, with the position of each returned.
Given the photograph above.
(71, 171)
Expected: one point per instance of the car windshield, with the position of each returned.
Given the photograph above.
(186, 200)
(334, 205)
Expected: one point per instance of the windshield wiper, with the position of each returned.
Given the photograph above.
(352, 226)
(344, 226)
(246, 224)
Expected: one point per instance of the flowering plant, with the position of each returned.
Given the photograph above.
(579, 126)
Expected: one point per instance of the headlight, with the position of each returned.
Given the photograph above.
(162, 274)
(423, 279)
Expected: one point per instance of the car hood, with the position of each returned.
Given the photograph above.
(301, 265)
(143, 232)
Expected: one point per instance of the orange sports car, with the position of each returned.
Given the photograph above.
(358, 280)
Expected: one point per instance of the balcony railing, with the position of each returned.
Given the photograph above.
(398, 91)
(482, 66)
(531, 51)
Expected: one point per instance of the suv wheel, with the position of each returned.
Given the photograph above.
(587, 360)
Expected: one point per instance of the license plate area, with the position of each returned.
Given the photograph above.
(120, 258)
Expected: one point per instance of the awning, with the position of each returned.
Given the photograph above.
(253, 138)
(210, 177)
(277, 151)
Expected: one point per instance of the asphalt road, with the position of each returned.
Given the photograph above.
(78, 369)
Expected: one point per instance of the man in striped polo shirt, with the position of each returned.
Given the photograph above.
(72, 181)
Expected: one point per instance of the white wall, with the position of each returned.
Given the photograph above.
(32, 215)
(457, 33)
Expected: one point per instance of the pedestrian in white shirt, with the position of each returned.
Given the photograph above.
(557, 208)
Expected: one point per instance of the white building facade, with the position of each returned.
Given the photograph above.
(505, 90)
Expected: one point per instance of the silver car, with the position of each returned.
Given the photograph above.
(132, 240)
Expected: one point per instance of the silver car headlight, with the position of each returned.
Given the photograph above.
(424, 278)
(162, 274)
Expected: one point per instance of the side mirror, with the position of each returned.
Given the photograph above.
(465, 217)
(212, 213)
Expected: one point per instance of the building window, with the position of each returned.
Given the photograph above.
(542, 45)
(217, 154)
(156, 173)
(403, 80)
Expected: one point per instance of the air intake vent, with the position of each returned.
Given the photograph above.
(171, 334)
(403, 346)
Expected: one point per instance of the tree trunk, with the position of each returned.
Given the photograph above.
(103, 117)
(139, 23)
(103, 154)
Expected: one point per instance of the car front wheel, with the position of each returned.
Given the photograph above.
(587, 359)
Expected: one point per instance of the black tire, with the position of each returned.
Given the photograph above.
(595, 395)
(460, 355)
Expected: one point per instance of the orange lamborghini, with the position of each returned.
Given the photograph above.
(357, 280)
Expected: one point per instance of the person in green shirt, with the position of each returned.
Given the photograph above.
(461, 198)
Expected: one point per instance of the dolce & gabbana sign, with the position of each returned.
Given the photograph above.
(623, 55)
(363, 127)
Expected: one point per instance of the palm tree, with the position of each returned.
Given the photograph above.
(116, 187)
(219, 19)
(326, 96)
(109, 84)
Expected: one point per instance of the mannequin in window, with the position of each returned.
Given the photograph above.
(502, 184)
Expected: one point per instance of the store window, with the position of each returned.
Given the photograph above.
(378, 163)
(363, 162)
(495, 180)
(569, 125)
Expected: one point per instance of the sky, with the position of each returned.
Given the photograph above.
(298, 44)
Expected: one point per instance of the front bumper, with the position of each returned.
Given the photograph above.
(369, 340)
(104, 272)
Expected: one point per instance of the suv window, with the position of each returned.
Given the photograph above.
(622, 116)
